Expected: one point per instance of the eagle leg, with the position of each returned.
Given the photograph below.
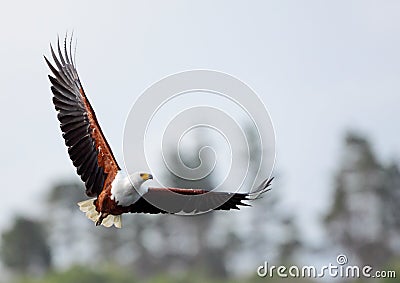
(102, 216)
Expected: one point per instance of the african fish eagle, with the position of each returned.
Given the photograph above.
(113, 192)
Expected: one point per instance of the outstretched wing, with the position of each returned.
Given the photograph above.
(174, 200)
(87, 147)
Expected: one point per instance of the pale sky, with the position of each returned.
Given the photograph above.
(321, 68)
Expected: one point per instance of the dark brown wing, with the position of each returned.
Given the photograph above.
(87, 146)
(174, 200)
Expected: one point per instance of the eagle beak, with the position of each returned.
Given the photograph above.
(146, 177)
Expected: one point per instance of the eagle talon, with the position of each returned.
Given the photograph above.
(101, 218)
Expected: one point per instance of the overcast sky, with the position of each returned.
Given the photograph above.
(321, 68)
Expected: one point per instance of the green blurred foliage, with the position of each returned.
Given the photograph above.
(392, 266)
(24, 247)
(80, 274)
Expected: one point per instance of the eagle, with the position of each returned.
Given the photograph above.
(111, 191)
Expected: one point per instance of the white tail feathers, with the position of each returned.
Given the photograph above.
(88, 207)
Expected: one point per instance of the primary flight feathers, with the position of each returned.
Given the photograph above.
(114, 193)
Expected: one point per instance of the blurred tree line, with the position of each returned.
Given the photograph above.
(363, 221)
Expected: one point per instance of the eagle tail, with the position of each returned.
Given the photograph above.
(111, 220)
(89, 208)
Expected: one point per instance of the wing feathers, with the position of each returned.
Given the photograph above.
(77, 134)
(87, 146)
(193, 200)
(63, 91)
